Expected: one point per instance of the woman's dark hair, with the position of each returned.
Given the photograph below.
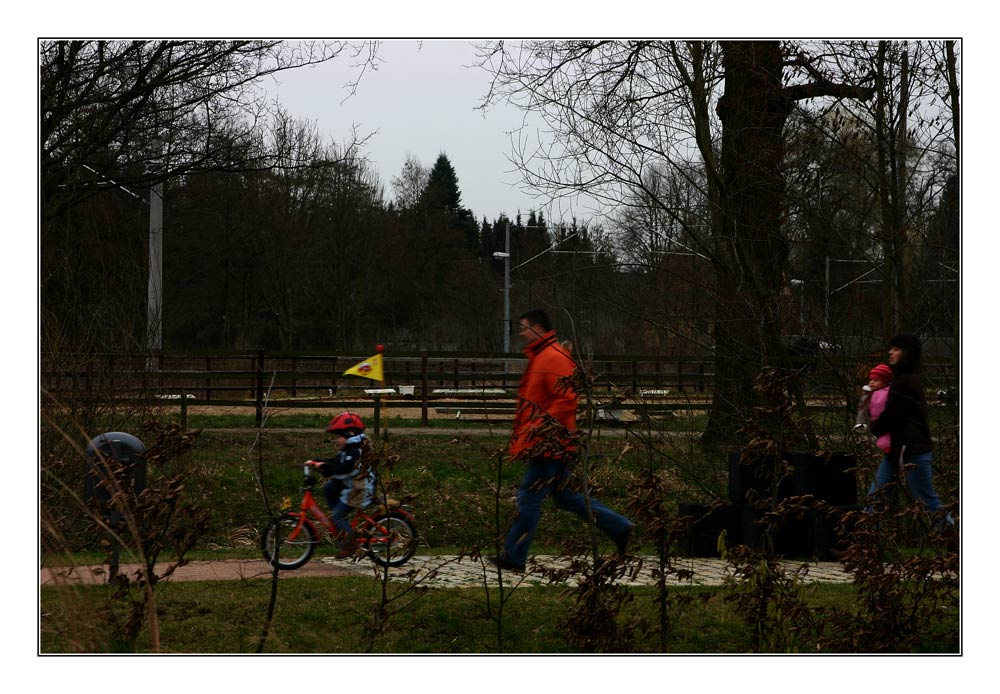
(912, 349)
(537, 316)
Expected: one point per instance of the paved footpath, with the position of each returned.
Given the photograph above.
(434, 571)
(447, 571)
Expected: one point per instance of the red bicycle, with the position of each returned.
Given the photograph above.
(388, 535)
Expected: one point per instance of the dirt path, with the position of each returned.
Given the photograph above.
(218, 570)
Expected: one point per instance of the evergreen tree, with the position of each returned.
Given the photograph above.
(441, 204)
(442, 193)
(485, 239)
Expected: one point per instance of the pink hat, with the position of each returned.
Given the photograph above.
(882, 372)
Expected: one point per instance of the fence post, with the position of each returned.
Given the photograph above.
(159, 373)
(423, 387)
(333, 385)
(208, 378)
(259, 405)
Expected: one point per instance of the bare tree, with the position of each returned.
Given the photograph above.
(137, 112)
(119, 116)
(409, 185)
(909, 126)
(616, 109)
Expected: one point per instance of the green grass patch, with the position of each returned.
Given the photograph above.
(453, 481)
(829, 421)
(682, 421)
(333, 616)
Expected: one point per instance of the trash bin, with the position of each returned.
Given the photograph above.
(129, 451)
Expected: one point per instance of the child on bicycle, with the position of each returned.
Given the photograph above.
(351, 474)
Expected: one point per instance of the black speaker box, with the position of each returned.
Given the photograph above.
(828, 478)
(753, 479)
(831, 478)
(809, 535)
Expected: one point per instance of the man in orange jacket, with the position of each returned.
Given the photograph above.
(545, 395)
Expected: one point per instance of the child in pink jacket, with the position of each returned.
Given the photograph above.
(873, 402)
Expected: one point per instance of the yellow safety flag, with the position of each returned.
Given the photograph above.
(369, 368)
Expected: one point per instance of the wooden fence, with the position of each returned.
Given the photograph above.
(473, 384)
(469, 384)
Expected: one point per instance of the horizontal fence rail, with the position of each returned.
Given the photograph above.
(447, 383)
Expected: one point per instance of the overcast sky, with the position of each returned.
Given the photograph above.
(421, 101)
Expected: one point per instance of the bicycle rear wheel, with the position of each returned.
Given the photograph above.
(392, 540)
(289, 553)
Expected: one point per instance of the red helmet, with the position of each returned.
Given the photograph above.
(346, 423)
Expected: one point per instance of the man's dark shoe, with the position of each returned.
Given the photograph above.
(621, 544)
(947, 534)
(504, 563)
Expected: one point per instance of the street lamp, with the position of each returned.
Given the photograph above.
(506, 298)
(506, 289)
(505, 256)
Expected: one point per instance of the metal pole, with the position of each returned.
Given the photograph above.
(259, 390)
(826, 299)
(506, 294)
(801, 284)
(423, 387)
(154, 315)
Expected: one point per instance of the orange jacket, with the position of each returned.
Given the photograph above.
(539, 395)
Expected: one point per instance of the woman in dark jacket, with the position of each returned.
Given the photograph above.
(905, 420)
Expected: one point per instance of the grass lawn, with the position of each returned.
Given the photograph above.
(333, 616)
(463, 495)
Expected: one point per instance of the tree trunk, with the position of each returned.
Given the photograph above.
(891, 134)
(750, 245)
(953, 95)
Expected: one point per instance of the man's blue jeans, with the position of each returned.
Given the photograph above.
(546, 476)
(918, 480)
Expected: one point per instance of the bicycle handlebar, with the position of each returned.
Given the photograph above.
(308, 468)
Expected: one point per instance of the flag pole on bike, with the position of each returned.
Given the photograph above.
(372, 368)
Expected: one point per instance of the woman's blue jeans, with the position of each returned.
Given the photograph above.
(918, 480)
(542, 477)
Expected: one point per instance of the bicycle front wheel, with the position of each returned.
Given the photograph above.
(392, 539)
(279, 547)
